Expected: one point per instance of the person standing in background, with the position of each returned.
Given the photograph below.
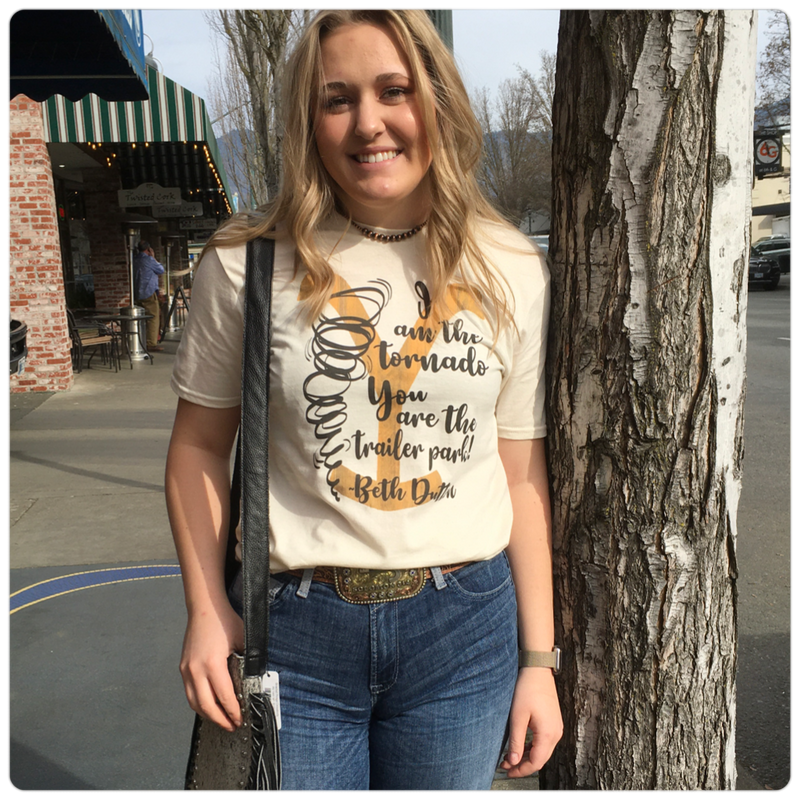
(145, 277)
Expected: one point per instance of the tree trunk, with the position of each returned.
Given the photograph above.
(649, 244)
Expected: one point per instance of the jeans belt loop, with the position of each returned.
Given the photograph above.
(274, 585)
(438, 579)
(305, 583)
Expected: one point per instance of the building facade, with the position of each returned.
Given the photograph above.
(83, 172)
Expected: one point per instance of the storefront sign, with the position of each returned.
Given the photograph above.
(148, 194)
(199, 224)
(767, 155)
(183, 210)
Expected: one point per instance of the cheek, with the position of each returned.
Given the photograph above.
(327, 137)
(423, 150)
(322, 146)
(416, 133)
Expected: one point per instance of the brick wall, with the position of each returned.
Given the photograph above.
(36, 284)
(107, 240)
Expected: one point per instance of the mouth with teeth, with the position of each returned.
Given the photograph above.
(376, 158)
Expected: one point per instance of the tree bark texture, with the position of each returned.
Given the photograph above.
(649, 240)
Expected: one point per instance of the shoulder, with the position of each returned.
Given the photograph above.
(228, 263)
(223, 264)
(500, 236)
(512, 253)
(146, 260)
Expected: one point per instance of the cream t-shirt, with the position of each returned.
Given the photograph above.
(384, 419)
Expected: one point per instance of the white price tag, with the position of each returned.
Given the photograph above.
(271, 688)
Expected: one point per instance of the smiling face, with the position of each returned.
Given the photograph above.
(369, 130)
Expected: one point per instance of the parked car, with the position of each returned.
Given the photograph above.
(775, 247)
(542, 241)
(763, 272)
(19, 348)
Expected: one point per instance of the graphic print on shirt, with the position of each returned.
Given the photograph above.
(349, 355)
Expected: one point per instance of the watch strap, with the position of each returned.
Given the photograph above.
(539, 658)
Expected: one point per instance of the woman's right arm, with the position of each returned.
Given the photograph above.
(197, 485)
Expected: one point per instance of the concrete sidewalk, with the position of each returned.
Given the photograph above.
(96, 697)
(97, 606)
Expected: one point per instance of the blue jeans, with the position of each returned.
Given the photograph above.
(410, 694)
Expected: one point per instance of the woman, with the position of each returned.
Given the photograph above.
(407, 416)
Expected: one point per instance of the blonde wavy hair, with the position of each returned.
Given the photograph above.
(306, 195)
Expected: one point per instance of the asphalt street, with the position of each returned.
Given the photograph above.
(764, 544)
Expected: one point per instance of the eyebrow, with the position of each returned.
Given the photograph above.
(385, 77)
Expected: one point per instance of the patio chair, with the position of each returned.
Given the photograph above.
(90, 336)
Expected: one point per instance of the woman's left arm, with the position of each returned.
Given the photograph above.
(535, 704)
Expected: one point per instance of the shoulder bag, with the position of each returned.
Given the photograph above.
(248, 758)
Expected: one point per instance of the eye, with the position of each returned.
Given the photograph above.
(396, 93)
(335, 103)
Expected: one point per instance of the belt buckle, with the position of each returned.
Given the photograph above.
(362, 586)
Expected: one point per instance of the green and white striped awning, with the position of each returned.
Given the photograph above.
(172, 114)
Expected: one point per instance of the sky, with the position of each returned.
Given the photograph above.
(487, 44)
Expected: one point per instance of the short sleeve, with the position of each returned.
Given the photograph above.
(520, 409)
(208, 363)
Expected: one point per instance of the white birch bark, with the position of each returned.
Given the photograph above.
(652, 176)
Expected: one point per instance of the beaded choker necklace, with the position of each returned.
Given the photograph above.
(387, 237)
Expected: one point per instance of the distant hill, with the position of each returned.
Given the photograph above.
(228, 144)
(775, 115)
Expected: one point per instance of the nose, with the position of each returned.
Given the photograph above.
(369, 119)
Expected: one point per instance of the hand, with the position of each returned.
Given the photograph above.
(535, 706)
(210, 638)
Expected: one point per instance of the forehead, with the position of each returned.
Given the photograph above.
(361, 51)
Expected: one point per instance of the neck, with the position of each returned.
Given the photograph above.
(396, 217)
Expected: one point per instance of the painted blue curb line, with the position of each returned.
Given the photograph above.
(85, 580)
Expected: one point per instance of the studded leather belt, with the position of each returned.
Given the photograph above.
(363, 586)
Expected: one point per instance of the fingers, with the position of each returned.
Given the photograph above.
(533, 757)
(210, 638)
(210, 693)
(541, 748)
(516, 762)
(537, 711)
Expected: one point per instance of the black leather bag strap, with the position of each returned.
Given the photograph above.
(232, 565)
(254, 453)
